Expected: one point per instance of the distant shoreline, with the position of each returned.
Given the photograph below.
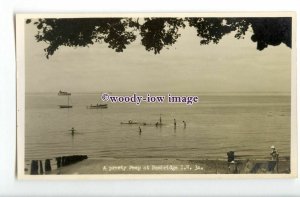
(166, 92)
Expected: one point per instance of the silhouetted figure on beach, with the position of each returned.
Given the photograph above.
(160, 119)
(184, 124)
(174, 122)
(274, 154)
(72, 131)
(140, 130)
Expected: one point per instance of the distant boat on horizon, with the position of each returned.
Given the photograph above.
(98, 106)
(65, 106)
(62, 93)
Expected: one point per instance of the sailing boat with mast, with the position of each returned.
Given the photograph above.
(60, 93)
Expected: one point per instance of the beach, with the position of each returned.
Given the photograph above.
(171, 166)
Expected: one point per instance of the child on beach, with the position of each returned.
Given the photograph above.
(274, 154)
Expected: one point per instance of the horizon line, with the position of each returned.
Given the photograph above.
(170, 92)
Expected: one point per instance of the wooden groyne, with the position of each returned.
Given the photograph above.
(39, 167)
(231, 165)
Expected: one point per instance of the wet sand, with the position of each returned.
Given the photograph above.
(173, 166)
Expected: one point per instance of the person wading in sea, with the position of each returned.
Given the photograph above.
(160, 119)
(184, 124)
(72, 131)
(140, 130)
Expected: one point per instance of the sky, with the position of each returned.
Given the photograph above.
(231, 66)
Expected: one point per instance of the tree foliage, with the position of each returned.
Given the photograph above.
(156, 33)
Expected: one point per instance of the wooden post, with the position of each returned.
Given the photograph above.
(63, 161)
(47, 165)
(41, 167)
(58, 162)
(34, 167)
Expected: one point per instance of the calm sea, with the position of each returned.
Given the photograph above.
(246, 124)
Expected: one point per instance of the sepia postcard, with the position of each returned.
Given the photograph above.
(156, 95)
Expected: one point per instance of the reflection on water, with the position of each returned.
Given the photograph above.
(248, 125)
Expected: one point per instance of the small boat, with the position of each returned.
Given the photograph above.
(129, 122)
(61, 93)
(65, 106)
(98, 106)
